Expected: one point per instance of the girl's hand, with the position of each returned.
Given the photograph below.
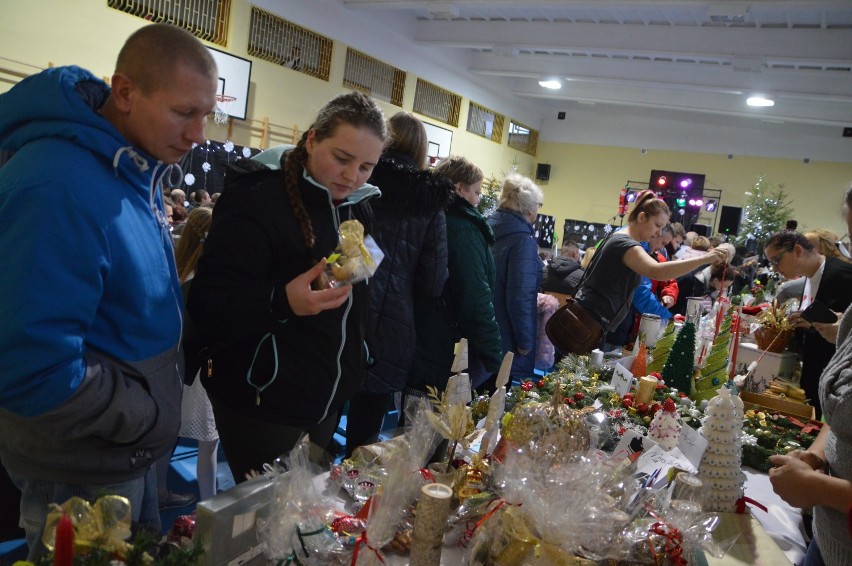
(828, 330)
(305, 301)
(716, 255)
(791, 479)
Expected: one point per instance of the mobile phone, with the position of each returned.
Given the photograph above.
(817, 311)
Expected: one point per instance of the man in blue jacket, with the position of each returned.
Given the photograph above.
(90, 384)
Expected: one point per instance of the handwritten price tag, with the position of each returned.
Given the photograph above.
(691, 444)
(622, 379)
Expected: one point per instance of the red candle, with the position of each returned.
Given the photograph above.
(735, 325)
(63, 548)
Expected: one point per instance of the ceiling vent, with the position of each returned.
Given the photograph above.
(443, 11)
(728, 13)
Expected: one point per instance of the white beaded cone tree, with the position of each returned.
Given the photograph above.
(720, 469)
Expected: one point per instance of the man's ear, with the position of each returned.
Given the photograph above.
(122, 91)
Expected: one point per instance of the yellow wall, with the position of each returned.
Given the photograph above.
(584, 181)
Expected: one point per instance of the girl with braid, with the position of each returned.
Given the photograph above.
(284, 352)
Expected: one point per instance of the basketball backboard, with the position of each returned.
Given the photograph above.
(234, 79)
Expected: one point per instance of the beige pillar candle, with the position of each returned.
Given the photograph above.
(647, 387)
(433, 508)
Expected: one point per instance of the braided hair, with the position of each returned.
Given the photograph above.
(354, 109)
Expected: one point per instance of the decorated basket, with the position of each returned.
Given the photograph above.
(771, 339)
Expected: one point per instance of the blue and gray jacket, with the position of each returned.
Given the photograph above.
(90, 304)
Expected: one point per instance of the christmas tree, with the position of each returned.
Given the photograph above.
(766, 212)
(490, 195)
(677, 372)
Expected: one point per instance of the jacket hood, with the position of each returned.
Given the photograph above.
(562, 266)
(63, 102)
(460, 207)
(505, 222)
(408, 189)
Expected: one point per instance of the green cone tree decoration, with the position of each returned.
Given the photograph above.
(662, 348)
(677, 372)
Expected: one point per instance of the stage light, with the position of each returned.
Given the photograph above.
(699, 202)
(710, 206)
(631, 196)
(681, 200)
(685, 183)
(681, 211)
(662, 180)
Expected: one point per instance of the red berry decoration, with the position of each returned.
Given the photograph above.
(579, 395)
(570, 401)
(527, 385)
(627, 403)
(655, 407)
(642, 408)
(539, 383)
(628, 396)
(656, 374)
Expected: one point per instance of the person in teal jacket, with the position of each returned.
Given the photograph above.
(91, 308)
(466, 307)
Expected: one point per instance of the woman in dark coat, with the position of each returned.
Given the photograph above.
(466, 307)
(286, 355)
(411, 229)
(518, 271)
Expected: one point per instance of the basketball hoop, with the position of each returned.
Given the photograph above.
(221, 115)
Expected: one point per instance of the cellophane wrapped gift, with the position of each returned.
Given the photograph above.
(356, 258)
(390, 505)
(296, 529)
(613, 515)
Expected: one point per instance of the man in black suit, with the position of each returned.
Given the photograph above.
(828, 280)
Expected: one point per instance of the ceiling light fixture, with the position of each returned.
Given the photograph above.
(551, 84)
(760, 101)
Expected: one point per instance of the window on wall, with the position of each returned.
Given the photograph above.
(435, 102)
(522, 138)
(484, 122)
(284, 43)
(205, 19)
(373, 77)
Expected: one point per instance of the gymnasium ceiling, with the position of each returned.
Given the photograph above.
(687, 55)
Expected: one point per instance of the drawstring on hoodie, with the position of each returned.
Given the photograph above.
(161, 171)
(138, 160)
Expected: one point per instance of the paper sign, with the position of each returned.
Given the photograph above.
(631, 441)
(458, 390)
(656, 457)
(691, 444)
(622, 379)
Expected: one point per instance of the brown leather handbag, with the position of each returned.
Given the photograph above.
(572, 330)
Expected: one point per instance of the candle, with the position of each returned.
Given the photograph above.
(647, 387)
(63, 548)
(597, 357)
